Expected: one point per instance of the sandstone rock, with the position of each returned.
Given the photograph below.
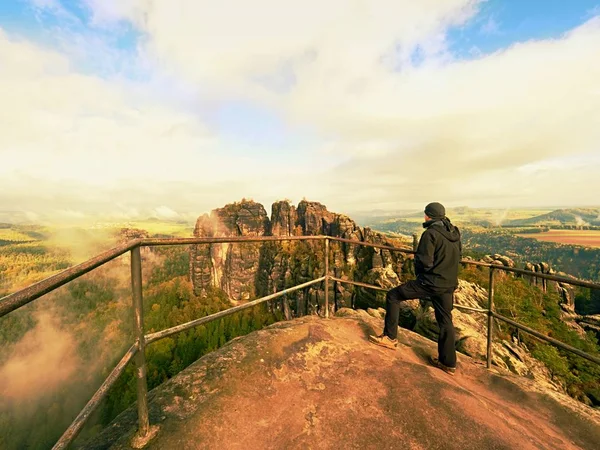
(252, 270)
(384, 277)
(231, 267)
(313, 383)
(284, 219)
(378, 313)
(314, 218)
(588, 323)
(506, 261)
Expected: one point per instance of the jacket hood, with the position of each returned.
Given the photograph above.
(445, 228)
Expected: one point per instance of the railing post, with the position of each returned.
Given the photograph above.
(140, 357)
(326, 278)
(415, 241)
(490, 324)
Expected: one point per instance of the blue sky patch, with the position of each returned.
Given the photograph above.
(501, 23)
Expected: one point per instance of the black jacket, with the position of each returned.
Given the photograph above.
(438, 254)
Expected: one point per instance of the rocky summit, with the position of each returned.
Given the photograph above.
(250, 270)
(319, 383)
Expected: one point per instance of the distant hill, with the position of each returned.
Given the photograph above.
(575, 216)
(463, 216)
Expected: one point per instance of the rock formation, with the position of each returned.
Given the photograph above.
(566, 291)
(251, 270)
(498, 259)
(129, 234)
(231, 267)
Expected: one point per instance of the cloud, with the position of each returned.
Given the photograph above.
(238, 43)
(450, 120)
(164, 212)
(80, 137)
(70, 126)
(85, 144)
(400, 120)
(43, 361)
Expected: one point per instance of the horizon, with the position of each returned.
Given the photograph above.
(167, 215)
(176, 107)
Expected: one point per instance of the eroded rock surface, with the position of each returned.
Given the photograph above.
(316, 383)
(252, 270)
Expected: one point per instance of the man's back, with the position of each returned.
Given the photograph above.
(438, 255)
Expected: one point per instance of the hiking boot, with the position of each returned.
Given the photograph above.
(436, 363)
(384, 341)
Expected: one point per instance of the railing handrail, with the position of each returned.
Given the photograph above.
(560, 279)
(153, 242)
(153, 337)
(22, 297)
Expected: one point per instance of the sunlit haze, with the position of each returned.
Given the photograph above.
(130, 108)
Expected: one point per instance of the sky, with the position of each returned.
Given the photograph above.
(125, 108)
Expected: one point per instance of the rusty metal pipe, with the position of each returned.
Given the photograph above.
(24, 296)
(566, 280)
(150, 242)
(27, 295)
(490, 321)
(378, 288)
(326, 278)
(358, 283)
(140, 358)
(71, 433)
(368, 244)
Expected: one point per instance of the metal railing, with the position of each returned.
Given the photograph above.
(137, 350)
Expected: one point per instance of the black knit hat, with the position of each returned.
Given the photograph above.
(435, 211)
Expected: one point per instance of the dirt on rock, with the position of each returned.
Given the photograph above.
(316, 383)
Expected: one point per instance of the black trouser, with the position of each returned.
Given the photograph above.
(442, 299)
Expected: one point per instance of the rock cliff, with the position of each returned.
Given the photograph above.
(251, 270)
(231, 267)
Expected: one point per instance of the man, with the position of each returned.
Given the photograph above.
(436, 266)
